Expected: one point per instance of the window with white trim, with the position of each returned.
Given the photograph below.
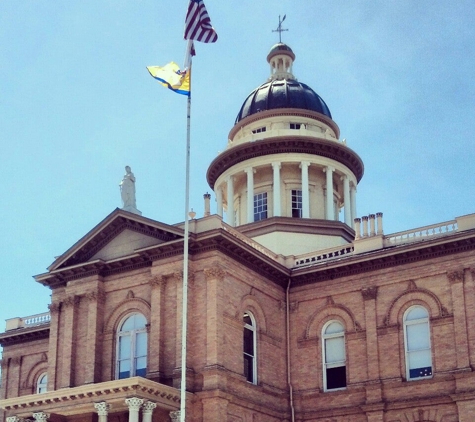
(132, 347)
(249, 347)
(417, 343)
(296, 203)
(42, 383)
(260, 206)
(334, 356)
(295, 125)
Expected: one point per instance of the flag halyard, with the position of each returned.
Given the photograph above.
(198, 23)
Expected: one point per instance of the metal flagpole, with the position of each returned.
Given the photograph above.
(184, 324)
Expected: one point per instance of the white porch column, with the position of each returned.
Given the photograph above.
(330, 212)
(276, 183)
(40, 416)
(102, 410)
(250, 194)
(147, 410)
(353, 202)
(304, 165)
(175, 416)
(346, 199)
(219, 201)
(230, 194)
(134, 404)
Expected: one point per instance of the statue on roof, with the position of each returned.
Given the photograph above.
(127, 191)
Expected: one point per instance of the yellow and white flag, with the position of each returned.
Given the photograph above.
(172, 77)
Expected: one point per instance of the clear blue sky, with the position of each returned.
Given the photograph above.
(77, 104)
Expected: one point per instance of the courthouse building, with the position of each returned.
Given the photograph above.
(294, 313)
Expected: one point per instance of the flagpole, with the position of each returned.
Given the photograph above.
(184, 327)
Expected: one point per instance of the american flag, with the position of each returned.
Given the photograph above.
(198, 24)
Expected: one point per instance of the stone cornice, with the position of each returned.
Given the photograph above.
(21, 335)
(278, 145)
(298, 225)
(385, 258)
(80, 400)
(265, 264)
(213, 240)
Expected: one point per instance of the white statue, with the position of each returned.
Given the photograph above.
(127, 191)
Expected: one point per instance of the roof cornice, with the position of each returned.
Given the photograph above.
(385, 258)
(280, 145)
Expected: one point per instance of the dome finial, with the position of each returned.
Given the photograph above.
(279, 28)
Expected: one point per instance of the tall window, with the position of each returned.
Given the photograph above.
(249, 348)
(260, 206)
(296, 203)
(417, 343)
(334, 356)
(42, 383)
(132, 347)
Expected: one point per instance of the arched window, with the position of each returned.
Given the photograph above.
(249, 347)
(42, 383)
(132, 347)
(417, 343)
(334, 356)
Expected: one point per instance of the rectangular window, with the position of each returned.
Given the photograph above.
(249, 348)
(417, 343)
(259, 130)
(260, 206)
(334, 356)
(296, 203)
(295, 125)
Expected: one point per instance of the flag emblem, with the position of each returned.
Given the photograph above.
(198, 24)
(172, 77)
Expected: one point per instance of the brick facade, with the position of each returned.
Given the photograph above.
(80, 349)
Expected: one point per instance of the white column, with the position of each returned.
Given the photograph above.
(40, 416)
(134, 404)
(329, 202)
(353, 202)
(102, 410)
(230, 194)
(276, 168)
(305, 190)
(250, 194)
(346, 199)
(147, 411)
(219, 200)
(175, 416)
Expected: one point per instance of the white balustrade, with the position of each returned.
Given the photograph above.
(421, 233)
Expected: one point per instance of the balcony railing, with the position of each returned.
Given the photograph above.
(29, 321)
(421, 233)
(325, 255)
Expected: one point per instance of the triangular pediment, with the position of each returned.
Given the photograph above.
(125, 244)
(119, 235)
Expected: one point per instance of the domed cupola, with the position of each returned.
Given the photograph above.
(282, 90)
(285, 170)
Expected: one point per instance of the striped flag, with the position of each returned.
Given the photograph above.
(198, 24)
